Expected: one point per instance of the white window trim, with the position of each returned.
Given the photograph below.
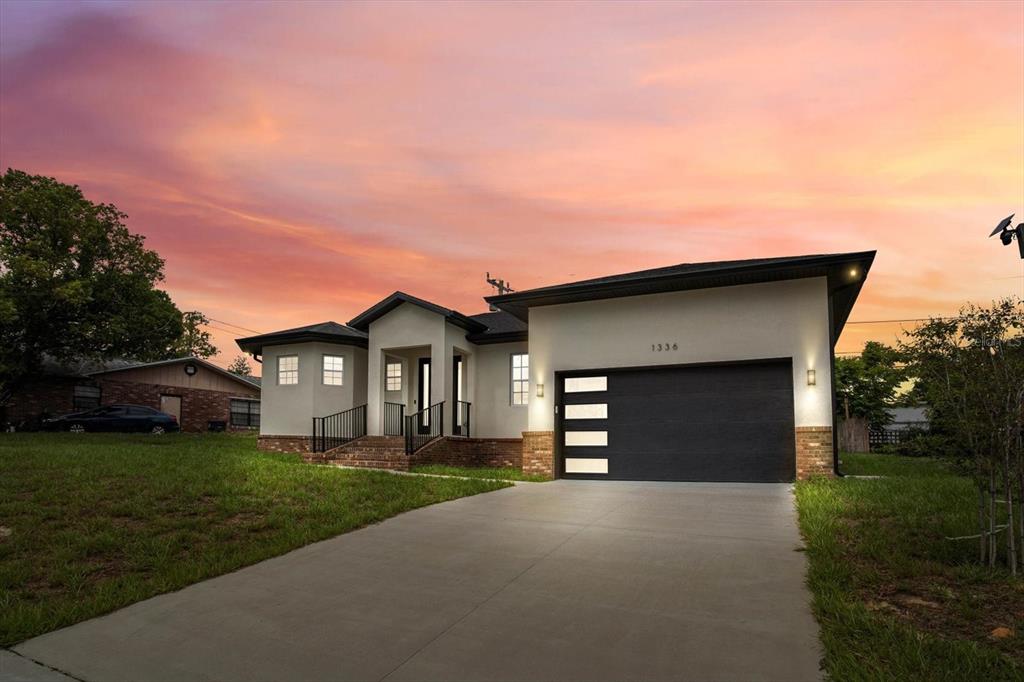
(512, 381)
(324, 370)
(388, 364)
(278, 376)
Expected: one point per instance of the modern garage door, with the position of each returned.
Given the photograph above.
(691, 423)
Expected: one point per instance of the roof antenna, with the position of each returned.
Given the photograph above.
(502, 287)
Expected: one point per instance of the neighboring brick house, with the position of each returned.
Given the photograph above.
(715, 371)
(197, 392)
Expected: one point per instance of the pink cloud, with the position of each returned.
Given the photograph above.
(297, 164)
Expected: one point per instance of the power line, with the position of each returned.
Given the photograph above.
(909, 319)
(238, 326)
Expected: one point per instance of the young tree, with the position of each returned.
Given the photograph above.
(194, 340)
(970, 370)
(866, 385)
(240, 366)
(74, 282)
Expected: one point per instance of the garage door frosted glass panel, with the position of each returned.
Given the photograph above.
(586, 384)
(586, 465)
(587, 411)
(584, 438)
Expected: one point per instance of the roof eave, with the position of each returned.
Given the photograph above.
(519, 303)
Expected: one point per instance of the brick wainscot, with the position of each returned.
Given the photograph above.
(539, 453)
(814, 452)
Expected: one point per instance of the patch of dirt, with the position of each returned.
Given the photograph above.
(939, 605)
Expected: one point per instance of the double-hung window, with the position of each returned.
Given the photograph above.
(334, 370)
(288, 370)
(393, 379)
(520, 378)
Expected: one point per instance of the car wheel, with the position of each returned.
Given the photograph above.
(157, 430)
(77, 428)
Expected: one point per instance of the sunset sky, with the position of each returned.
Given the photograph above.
(295, 163)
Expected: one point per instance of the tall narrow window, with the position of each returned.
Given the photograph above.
(393, 378)
(520, 378)
(334, 370)
(288, 370)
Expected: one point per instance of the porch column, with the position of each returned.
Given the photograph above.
(374, 391)
(440, 381)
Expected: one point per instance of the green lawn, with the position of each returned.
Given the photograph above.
(98, 521)
(895, 599)
(501, 474)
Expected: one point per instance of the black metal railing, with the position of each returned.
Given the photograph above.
(335, 430)
(394, 419)
(423, 427)
(461, 425)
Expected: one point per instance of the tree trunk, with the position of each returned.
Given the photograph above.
(983, 537)
(993, 540)
(1011, 541)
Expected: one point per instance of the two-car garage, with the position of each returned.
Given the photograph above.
(709, 422)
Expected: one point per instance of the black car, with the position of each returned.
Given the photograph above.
(122, 418)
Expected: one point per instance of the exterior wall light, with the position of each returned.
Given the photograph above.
(190, 369)
(812, 378)
(540, 390)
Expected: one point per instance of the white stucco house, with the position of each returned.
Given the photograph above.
(701, 371)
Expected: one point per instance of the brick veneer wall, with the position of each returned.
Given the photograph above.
(300, 444)
(472, 452)
(39, 398)
(814, 452)
(539, 453)
(198, 406)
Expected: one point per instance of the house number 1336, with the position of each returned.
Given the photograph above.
(656, 347)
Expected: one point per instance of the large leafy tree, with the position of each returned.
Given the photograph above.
(74, 282)
(866, 385)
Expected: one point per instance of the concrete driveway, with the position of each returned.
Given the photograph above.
(571, 580)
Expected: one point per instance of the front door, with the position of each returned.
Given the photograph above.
(423, 423)
(171, 404)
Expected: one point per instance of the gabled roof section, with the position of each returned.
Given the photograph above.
(330, 332)
(247, 381)
(502, 327)
(845, 272)
(362, 320)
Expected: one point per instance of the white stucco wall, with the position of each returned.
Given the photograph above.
(494, 416)
(770, 320)
(289, 410)
(406, 327)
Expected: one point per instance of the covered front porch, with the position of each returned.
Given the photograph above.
(423, 392)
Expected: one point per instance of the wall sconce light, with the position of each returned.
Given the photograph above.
(812, 378)
(540, 390)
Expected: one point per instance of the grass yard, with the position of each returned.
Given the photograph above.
(501, 474)
(93, 522)
(895, 599)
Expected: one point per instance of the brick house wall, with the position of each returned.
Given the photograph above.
(52, 396)
(39, 398)
(472, 452)
(198, 406)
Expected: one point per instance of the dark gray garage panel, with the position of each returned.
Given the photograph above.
(723, 422)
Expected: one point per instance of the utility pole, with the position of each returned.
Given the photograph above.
(501, 286)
